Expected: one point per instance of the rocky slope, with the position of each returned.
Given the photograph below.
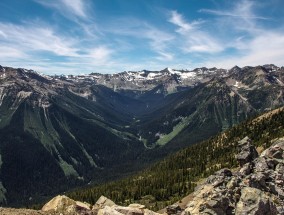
(256, 188)
(66, 131)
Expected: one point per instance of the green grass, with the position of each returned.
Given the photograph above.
(176, 130)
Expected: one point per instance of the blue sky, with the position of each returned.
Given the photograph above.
(110, 36)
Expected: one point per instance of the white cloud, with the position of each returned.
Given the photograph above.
(9, 53)
(152, 37)
(76, 7)
(68, 8)
(193, 38)
(165, 56)
(258, 44)
(258, 52)
(184, 26)
(100, 54)
(28, 45)
(37, 38)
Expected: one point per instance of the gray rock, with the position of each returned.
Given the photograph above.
(128, 210)
(102, 202)
(257, 188)
(246, 152)
(280, 168)
(65, 205)
(275, 151)
(220, 177)
(260, 165)
(246, 169)
(254, 201)
(173, 209)
(258, 180)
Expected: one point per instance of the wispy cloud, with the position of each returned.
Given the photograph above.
(76, 7)
(67, 8)
(184, 26)
(258, 44)
(194, 39)
(32, 43)
(153, 38)
(100, 54)
(8, 53)
(36, 38)
(257, 52)
(241, 15)
(243, 9)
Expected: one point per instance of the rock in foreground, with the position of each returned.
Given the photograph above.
(257, 188)
(104, 206)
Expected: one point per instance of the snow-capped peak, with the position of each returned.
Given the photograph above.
(170, 70)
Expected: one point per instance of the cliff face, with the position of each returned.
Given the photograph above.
(256, 188)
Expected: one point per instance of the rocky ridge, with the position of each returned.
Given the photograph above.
(256, 188)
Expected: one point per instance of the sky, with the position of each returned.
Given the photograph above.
(111, 36)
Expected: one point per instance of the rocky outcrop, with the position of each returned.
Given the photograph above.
(102, 202)
(247, 152)
(104, 206)
(65, 205)
(257, 188)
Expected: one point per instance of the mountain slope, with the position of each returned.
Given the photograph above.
(68, 131)
(56, 134)
(174, 177)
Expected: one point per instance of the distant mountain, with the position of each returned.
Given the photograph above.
(57, 132)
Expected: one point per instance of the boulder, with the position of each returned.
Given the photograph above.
(260, 165)
(276, 151)
(245, 170)
(255, 201)
(246, 152)
(128, 210)
(102, 202)
(65, 205)
(107, 210)
(58, 203)
(220, 177)
(173, 209)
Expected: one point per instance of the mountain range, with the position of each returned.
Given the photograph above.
(58, 132)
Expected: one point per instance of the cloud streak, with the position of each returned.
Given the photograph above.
(67, 8)
(36, 38)
(258, 44)
(195, 39)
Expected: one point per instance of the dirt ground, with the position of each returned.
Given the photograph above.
(12, 211)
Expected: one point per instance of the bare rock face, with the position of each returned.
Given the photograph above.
(255, 201)
(133, 209)
(247, 152)
(65, 205)
(102, 202)
(276, 151)
(257, 188)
